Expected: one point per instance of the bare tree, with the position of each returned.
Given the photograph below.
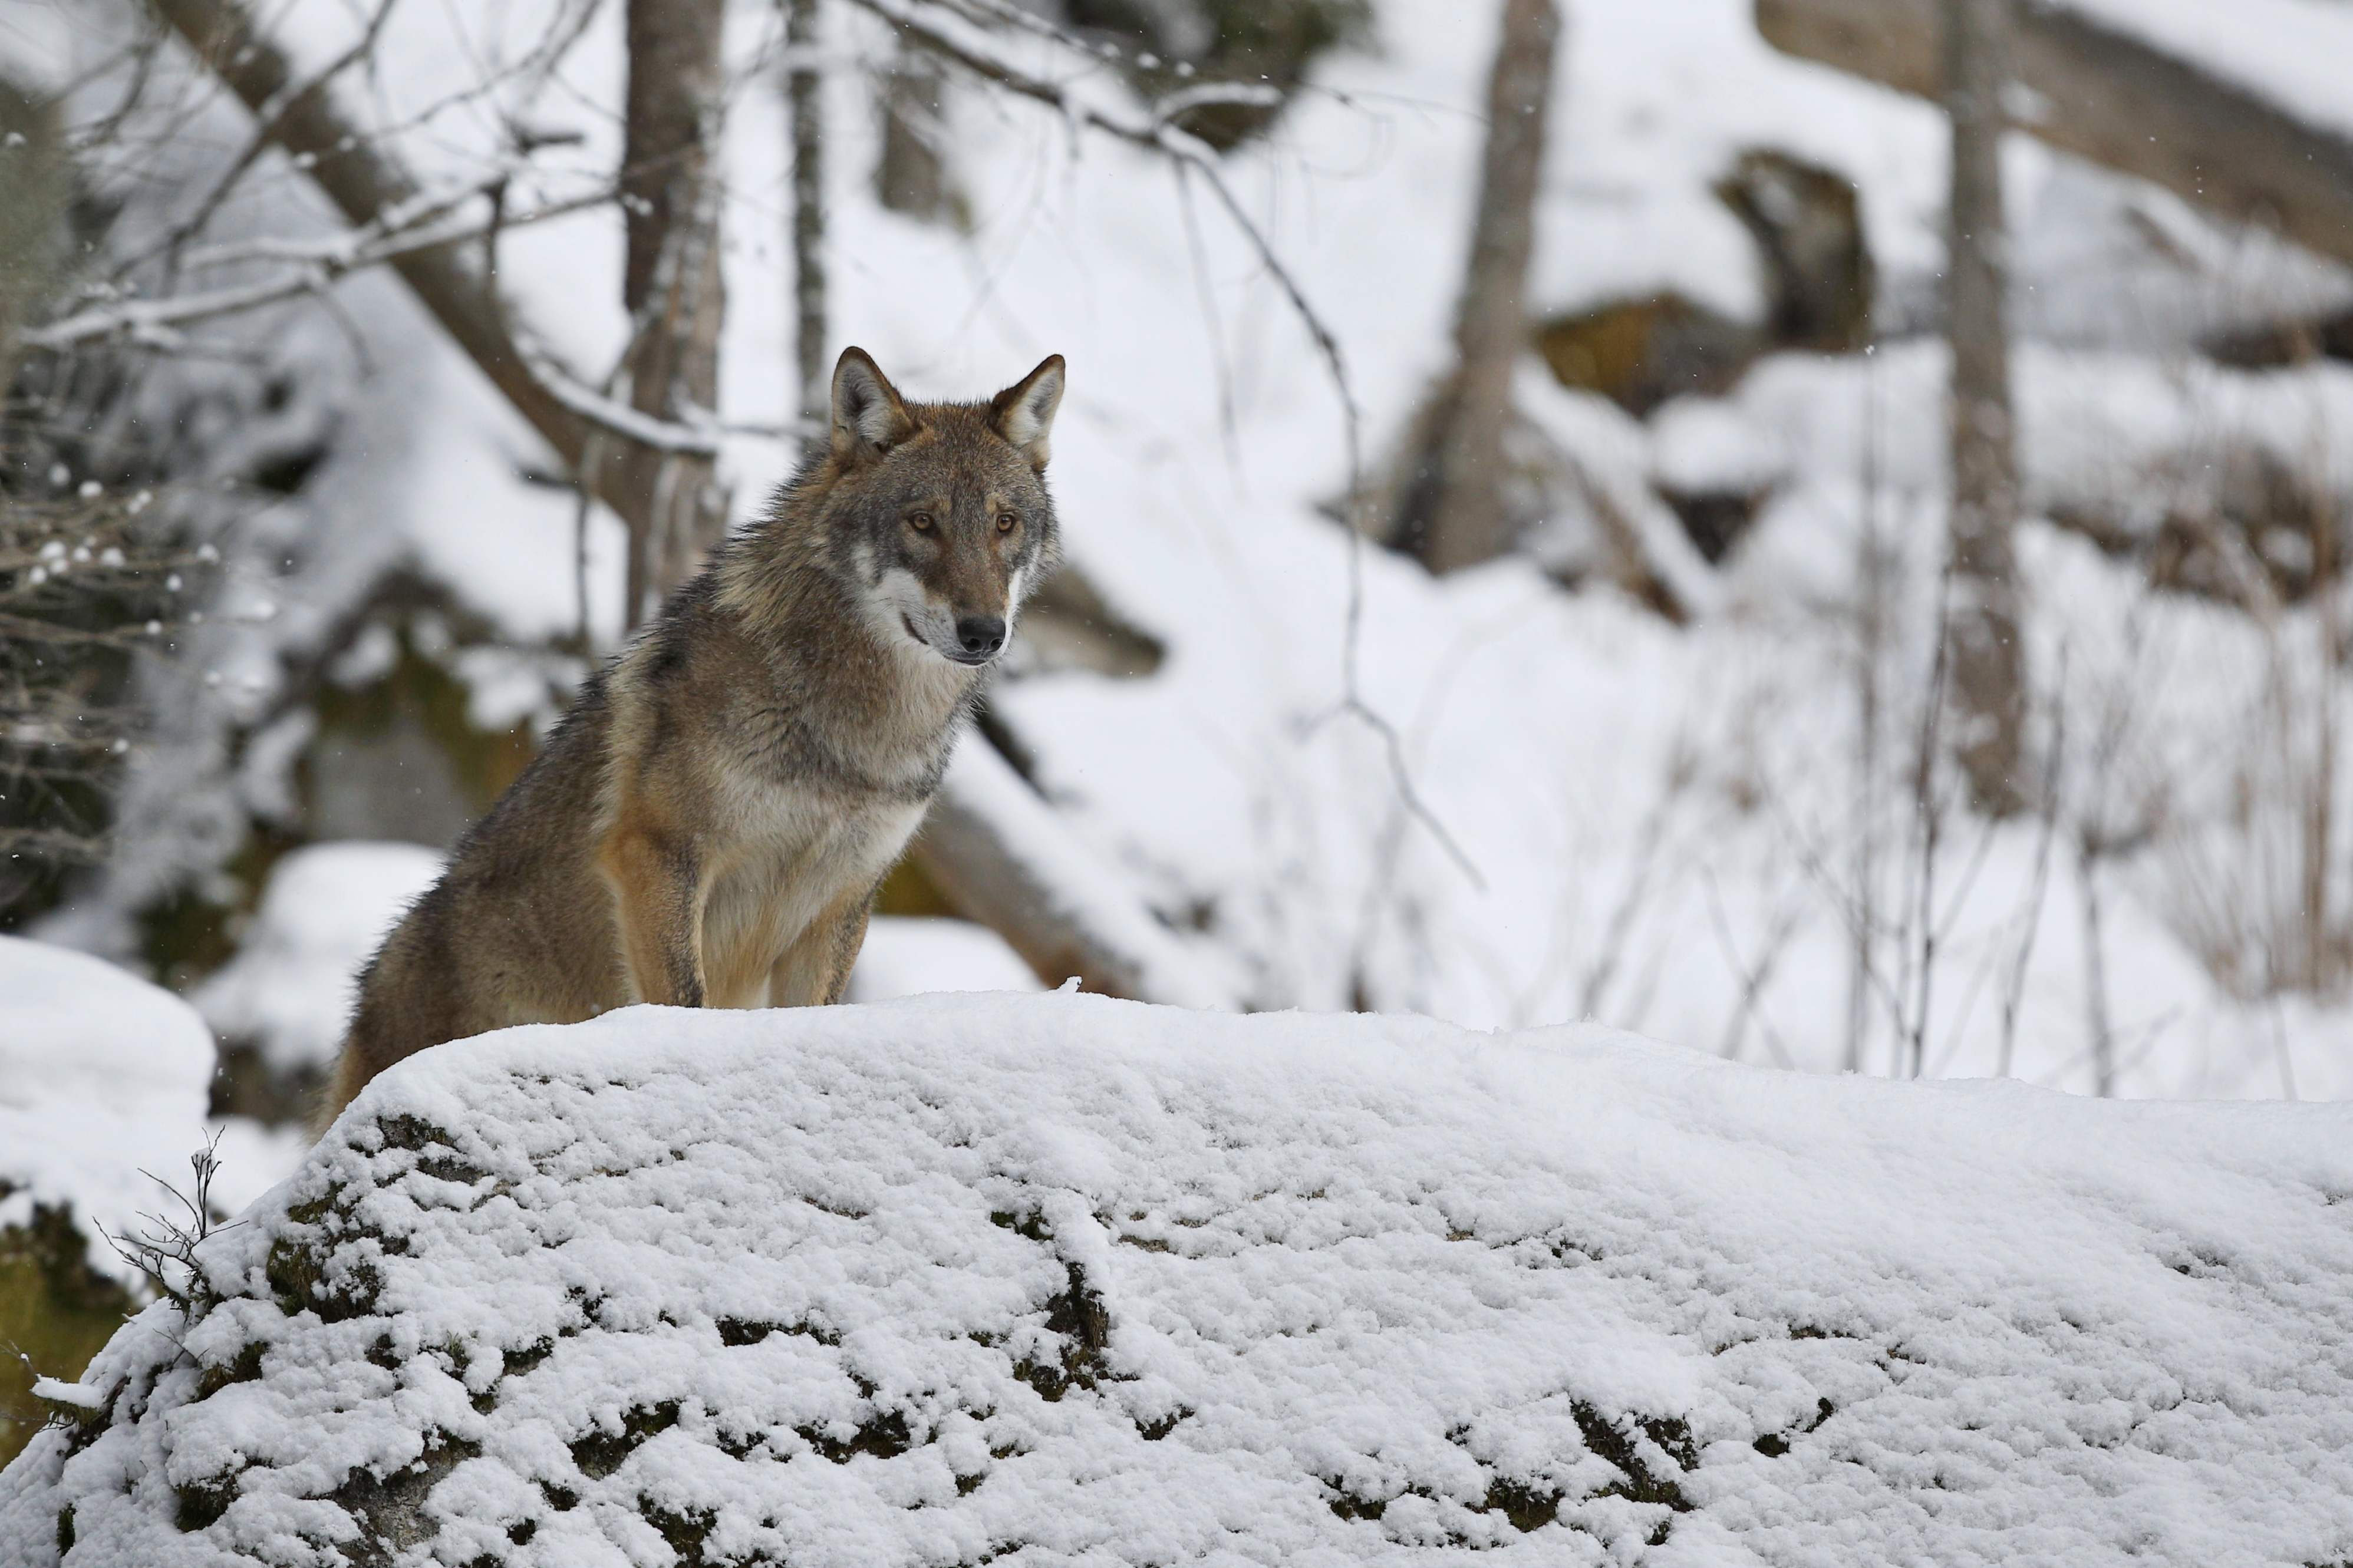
(637, 455)
(672, 194)
(805, 90)
(1464, 522)
(1988, 674)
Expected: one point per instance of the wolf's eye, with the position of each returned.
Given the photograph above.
(1005, 522)
(920, 522)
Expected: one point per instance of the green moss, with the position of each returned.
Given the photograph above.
(1641, 1484)
(54, 1308)
(296, 1269)
(599, 1453)
(685, 1530)
(200, 1503)
(1078, 1316)
(419, 688)
(390, 1509)
(883, 1437)
(1526, 1507)
(245, 1368)
(1640, 353)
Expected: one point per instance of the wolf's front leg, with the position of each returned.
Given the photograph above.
(658, 896)
(815, 971)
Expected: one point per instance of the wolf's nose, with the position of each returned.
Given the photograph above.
(981, 635)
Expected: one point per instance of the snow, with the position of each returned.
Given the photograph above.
(908, 955)
(1308, 1290)
(979, 778)
(79, 1396)
(1658, 816)
(102, 1075)
(290, 988)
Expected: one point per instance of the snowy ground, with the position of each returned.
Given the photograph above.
(1059, 1279)
(1672, 829)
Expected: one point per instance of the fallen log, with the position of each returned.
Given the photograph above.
(2114, 97)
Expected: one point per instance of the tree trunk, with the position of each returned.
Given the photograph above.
(806, 88)
(670, 190)
(1982, 617)
(1465, 520)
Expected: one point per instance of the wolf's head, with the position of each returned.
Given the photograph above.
(936, 515)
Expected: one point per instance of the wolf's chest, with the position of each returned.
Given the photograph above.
(787, 857)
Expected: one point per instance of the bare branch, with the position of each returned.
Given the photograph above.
(316, 265)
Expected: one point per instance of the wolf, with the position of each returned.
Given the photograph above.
(707, 826)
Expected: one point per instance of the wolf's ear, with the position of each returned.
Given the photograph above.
(1024, 413)
(867, 417)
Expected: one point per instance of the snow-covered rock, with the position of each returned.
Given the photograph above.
(100, 1075)
(1054, 1278)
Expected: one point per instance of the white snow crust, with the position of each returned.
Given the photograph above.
(100, 1075)
(797, 1286)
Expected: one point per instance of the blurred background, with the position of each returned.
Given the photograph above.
(1808, 529)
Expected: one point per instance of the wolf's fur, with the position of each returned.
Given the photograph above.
(706, 828)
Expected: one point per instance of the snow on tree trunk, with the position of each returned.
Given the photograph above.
(655, 471)
(1989, 676)
(365, 180)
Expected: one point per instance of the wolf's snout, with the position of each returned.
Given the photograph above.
(981, 636)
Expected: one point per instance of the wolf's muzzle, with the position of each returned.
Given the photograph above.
(979, 636)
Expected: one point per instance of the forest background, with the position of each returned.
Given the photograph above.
(1812, 531)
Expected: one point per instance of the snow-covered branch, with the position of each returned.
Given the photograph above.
(700, 439)
(312, 266)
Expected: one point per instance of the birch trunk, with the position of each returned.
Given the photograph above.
(805, 91)
(671, 195)
(1988, 689)
(1466, 523)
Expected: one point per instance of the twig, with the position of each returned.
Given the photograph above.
(166, 1251)
(265, 132)
(1928, 814)
(1227, 431)
(2014, 983)
(1752, 977)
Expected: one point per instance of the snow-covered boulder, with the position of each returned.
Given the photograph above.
(100, 1075)
(1054, 1278)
